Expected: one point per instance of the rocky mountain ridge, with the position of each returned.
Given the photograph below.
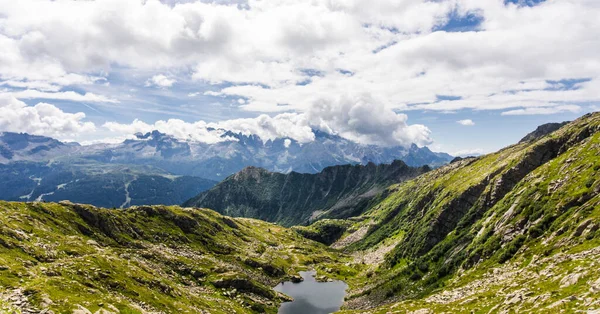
(296, 198)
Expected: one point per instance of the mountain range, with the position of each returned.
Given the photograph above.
(155, 168)
(512, 231)
(217, 161)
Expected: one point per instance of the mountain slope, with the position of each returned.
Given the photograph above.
(108, 185)
(443, 240)
(21, 146)
(295, 198)
(66, 257)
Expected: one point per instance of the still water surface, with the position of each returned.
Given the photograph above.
(311, 296)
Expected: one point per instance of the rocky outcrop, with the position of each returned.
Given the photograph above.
(542, 130)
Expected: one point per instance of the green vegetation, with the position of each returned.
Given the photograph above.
(520, 210)
(326, 231)
(516, 230)
(147, 258)
(89, 182)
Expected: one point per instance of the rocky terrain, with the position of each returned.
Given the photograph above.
(296, 198)
(62, 258)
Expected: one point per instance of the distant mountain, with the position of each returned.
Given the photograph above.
(104, 185)
(155, 168)
(219, 160)
(296, 198)
(22, 146)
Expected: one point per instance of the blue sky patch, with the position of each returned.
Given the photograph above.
(524, 3)
(447, 97)
(566, 84)
(461, 23)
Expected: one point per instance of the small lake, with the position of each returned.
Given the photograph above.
(311, 296)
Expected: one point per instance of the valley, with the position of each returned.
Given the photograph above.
(515, 230)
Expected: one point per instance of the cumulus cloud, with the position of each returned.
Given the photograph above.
(360, 119)
(466, 122)
(290, 125)
(160, 80)
(364, 119)
(180, 129)
(43, 119)
(283, 56)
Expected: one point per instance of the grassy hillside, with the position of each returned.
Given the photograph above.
(64, 257)
(516, 228)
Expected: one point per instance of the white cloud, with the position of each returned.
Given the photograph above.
(542, 110)
(469, 152)
(290, 125)
(364, 119)
(69, 95)
(283, 56)
(466, 122)
(42, 119)
(160, 80)
(359, 119)
(180, 129)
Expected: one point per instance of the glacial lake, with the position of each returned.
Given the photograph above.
(311, 296)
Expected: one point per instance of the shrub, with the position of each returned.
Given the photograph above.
(511, 249)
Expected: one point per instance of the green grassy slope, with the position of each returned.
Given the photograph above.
(529, 210)
(63, 257)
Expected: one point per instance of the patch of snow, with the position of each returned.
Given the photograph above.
(41, 197)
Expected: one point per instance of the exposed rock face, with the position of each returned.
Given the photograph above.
(291, 199)
(542, 130)
(296, 279)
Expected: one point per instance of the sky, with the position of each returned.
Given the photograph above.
(459, 76)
